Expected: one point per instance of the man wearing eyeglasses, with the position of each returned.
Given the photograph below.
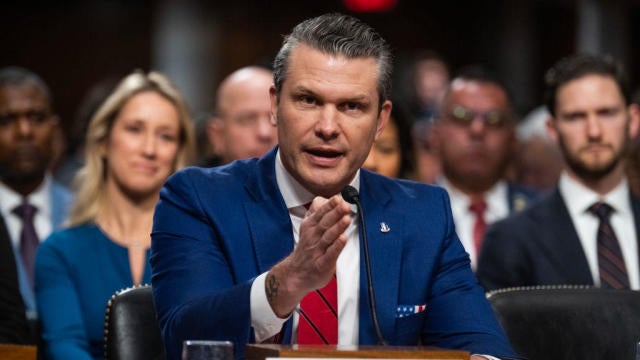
(474, 136)
(32, 203)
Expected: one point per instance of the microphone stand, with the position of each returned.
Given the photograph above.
(350, 194)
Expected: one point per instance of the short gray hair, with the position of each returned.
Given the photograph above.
(337, 34)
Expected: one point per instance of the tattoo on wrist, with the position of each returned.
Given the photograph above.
(271, 287)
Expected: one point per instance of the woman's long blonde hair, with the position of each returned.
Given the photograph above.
(91, 178)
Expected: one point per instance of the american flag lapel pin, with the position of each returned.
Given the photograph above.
(384, 228)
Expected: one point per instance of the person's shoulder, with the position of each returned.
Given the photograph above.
(532, 216)
(69, 244)
(229, 172)
(61, 195)
(403, 189)
(70, 236)
(521, 196)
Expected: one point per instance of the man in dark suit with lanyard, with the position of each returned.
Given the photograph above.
(585, 231)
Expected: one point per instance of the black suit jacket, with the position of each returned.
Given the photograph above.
(538, 246)
(13, 322)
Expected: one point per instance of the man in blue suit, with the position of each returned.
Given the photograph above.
(235, 249)
(27, 129)
(559, 239)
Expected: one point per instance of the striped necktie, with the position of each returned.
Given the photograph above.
(613, 272)
(318, 321)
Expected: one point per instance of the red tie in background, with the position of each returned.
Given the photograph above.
(478, 207)
(28, 238)
(318, 321)
(613, 272)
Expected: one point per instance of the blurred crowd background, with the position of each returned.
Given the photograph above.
(79, 47)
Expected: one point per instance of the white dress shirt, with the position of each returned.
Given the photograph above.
(264, 321)
(497, 199)
(578, 199)
(40, 198)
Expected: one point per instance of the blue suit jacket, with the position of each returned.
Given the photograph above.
(216, 229)
(538, 246)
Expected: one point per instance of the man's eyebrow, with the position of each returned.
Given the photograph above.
(360, 97)
(303, 89)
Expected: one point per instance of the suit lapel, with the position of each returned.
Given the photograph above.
(385, 249)
(635, 207)
(267, 215)
(562, 244)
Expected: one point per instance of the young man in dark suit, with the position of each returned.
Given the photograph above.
(585, 231)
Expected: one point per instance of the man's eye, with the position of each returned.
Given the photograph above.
(37, 116)
(573, 117)
(7, 119)
(608, 112)
(306, 99)
(352, 106)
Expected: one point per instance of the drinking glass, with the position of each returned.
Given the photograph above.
(207, 350)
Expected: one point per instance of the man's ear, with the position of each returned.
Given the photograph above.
(273, 95)
(634, 120)
(55, 119)
(215, 134)
(383, 117)
(551, 129)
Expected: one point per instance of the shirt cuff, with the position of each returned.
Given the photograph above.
(264, 321)
(488, 356)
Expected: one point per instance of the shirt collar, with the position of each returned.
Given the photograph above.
(494, 197)
(293, 193)
(38, 198)
(582, 197)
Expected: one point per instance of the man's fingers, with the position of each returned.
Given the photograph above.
(329, 213)
(337, 229)
(320, 207)
(334, 250)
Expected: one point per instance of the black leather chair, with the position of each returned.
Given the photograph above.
(131, 330)
(569, 322)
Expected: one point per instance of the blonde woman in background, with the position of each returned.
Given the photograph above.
(139, 136)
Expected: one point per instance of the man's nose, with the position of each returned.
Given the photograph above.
(327, 123)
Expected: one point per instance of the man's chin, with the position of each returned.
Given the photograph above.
(23, 175)
(593, 172)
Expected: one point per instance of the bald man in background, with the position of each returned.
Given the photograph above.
(242, 126)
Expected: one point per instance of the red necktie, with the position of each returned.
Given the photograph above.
(28, 238)
(613, 272)
(478, 207)
(318, 321)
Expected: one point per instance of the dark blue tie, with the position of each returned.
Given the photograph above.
(613, 272)
(28, 238)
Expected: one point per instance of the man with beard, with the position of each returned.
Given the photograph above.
(585, 231)
(32, 203)
(474, 137)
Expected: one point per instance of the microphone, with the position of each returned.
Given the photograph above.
(350, 195)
